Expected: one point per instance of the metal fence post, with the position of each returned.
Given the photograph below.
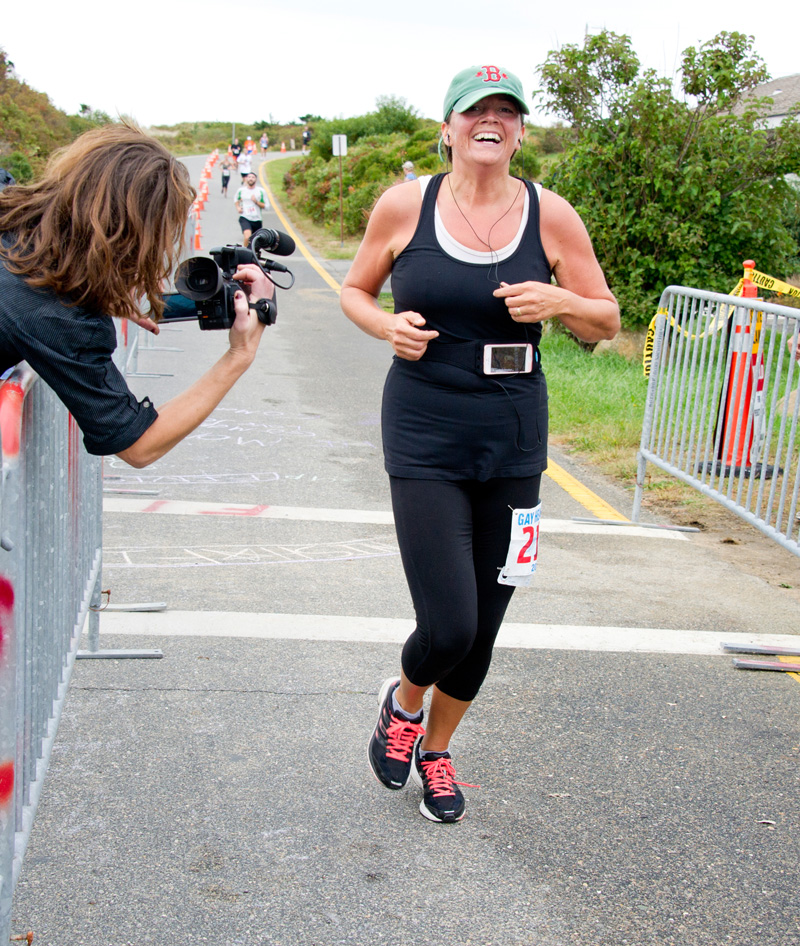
(722, 412)
(50, 569)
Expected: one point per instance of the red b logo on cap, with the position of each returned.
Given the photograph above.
(492, 74)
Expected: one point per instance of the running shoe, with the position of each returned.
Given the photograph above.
(392, 744)
(442, 799)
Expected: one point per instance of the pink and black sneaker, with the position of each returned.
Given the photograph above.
(442, 799)
(392, 744)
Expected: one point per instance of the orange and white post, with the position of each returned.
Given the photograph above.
(742, 427)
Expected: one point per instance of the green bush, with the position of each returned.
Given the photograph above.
(673, 191)
(392, 116)
(31, 127)
(18, 166)
(371, 164)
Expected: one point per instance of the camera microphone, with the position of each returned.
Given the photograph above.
(272, 241)
(272, 267)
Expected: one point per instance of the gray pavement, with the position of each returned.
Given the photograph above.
(634, 788)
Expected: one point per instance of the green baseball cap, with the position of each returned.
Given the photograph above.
(473, 84)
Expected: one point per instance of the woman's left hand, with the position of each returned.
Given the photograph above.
(146, 323)
(258, 285)
(532, 301)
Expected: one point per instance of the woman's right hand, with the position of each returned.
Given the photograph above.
(247, 329)
(408, 336)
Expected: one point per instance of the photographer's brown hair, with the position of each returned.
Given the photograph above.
(102, 228)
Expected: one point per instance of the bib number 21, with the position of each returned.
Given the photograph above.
(523, 547)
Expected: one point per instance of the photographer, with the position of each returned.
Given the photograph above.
(99, 232)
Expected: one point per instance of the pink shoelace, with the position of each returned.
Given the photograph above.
(401, 734)
(441, 777)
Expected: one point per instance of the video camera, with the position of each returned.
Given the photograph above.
(205, 287)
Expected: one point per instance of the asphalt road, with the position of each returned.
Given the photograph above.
(634, 787)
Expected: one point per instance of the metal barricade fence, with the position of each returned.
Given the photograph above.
(722, 406)
(50, 564)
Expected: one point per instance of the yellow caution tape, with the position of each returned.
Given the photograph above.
(774, 285)
(770, 283)
(647, 355)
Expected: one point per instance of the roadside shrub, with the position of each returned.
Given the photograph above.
(18, 166)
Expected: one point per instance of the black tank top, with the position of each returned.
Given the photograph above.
(442, 421)
(455, 297)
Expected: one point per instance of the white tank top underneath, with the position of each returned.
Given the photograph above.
(465, 253)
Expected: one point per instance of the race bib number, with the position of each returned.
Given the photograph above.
(523, 547)
(250, 208)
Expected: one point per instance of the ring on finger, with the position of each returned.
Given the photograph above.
(519, 311)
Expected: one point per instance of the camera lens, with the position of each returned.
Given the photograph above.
(198, 278)
(198, 282)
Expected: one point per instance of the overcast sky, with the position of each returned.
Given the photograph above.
(165, 61)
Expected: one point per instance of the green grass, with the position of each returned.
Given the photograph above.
(275, 171)
(325, 242)
(596, 402)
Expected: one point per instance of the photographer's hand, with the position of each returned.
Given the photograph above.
(252, 277)
(146, 323)
(184, 413)
(246, 330)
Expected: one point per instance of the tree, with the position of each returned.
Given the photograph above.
(94, 115)
(673, 191)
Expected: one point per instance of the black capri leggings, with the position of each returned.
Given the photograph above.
(453, 537)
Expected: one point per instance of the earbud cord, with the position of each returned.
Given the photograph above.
(485, 242)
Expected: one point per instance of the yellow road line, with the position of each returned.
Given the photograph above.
(589, 500)
(289, 229)
(790, 660)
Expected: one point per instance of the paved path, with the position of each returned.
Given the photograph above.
(634, 788)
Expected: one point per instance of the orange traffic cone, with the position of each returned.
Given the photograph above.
(741, 436)
(283, 147)
(198, 232)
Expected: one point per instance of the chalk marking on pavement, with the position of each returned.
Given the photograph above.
(199, 555)
(190, 508)
(338, 628)
(175, 507)
(293, 234)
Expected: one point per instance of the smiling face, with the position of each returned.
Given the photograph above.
(488, 131)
